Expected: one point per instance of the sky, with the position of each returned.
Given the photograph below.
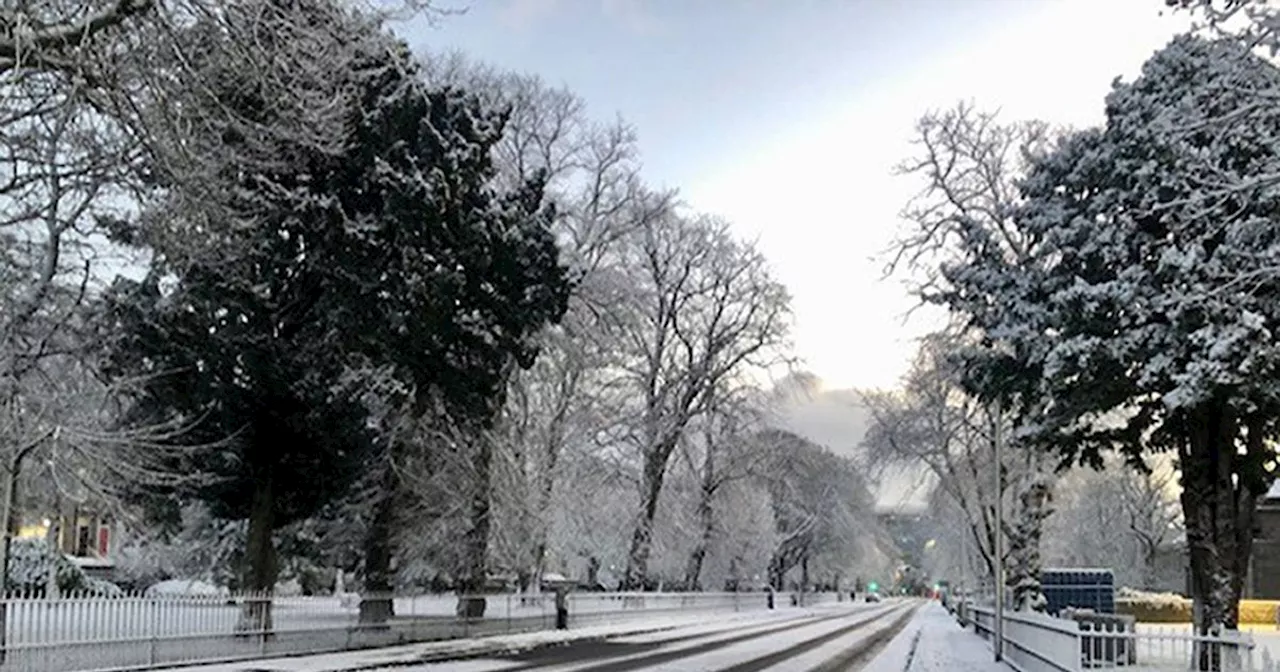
(788, 116)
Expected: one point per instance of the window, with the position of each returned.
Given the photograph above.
(84, 540)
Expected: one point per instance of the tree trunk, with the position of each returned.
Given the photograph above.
(471, 603)
(530, 577)
(376, 604)
(1149, 571)
(1219, 513)
(706, 521)
(637, 574)
(11, 518)
(546, 491)
(734, 583)
(52, 590)
(538, 520)
(1027, 592)
(693, 567)
(260, 570)
(777, 572)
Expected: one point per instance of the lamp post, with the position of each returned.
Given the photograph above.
(997, 639)
(964, 571)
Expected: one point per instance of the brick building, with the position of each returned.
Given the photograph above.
(85, 535)
(1263, 582)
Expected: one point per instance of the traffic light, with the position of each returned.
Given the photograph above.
(873, 586)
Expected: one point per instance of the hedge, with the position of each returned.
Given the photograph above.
(1165, 610)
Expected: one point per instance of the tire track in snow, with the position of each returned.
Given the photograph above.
(780, 656)
(861, 654)
(645, 660)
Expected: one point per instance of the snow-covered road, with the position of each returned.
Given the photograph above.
(830, 640)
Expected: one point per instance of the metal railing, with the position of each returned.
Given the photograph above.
(75, 634)
(1041, 643)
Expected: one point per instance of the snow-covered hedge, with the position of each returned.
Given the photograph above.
(29, 563)
(1173, 608)
(1148, 607)
(1146, 597)
(185, 588)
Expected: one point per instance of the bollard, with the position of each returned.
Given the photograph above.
(770, 597)
(562, 608)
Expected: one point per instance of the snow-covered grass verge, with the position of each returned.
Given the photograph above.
(349, 661)
(1266, 639)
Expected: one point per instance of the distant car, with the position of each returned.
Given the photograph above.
(872, 597)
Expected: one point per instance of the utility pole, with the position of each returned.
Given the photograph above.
(997, 641)
(964, 571)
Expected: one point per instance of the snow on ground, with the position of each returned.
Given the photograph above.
(778, 645)
(726, 657)
(943, 646)
(1266, 639)
(815, 658)
(893, 657)
(690, 623)
(77, 634)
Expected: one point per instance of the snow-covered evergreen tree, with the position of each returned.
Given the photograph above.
(1140, 315)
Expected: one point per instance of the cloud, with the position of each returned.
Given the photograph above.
(524, 14)
(837, 419)
(634, 15)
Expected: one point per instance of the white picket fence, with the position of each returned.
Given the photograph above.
(1041, 643)
(78, 634)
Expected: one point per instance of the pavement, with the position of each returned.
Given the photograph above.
(944, 646)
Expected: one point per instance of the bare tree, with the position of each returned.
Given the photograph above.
(969, 162)
(51, 35)
(1153, 513)
(822, 509)
(1118, 518)
(64, 179)
(718, 453)
(933, 425)
(701, 313)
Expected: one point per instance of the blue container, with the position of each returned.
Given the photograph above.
(1081, 588)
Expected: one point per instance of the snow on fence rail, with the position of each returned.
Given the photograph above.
(75, 634)
(1042, 643)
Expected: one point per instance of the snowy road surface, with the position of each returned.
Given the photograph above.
(830, 640)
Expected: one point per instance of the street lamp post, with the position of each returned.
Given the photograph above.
(964, 572)
(997, 640)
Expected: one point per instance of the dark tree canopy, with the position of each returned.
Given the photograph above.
(397, 254)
